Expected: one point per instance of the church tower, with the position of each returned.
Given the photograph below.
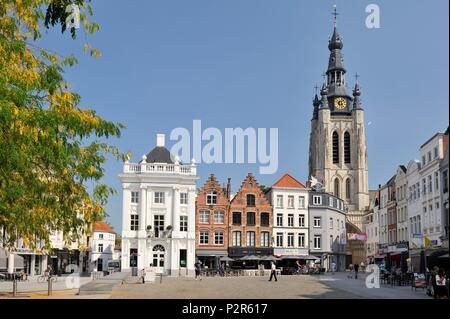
(338, 153)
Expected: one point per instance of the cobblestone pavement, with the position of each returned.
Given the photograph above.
(336, 286)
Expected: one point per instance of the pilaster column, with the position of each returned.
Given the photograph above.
(176, 210)
(143, 209)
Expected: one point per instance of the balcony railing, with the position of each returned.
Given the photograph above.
(146, 168)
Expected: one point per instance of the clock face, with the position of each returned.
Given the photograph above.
(340, 103)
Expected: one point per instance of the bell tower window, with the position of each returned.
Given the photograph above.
(335, 148)
(347, 156)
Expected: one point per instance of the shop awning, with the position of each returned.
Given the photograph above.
(444, 256)
(250, 257)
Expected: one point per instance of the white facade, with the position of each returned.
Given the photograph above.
(328, 229)
(401, 184)
(383, 215)
(101, 250)
(159, 194)
(290, 221)
(432, 152)
(415, 212)
(372, 227)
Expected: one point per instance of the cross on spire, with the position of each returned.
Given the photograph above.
(316, 87)
(335, 14)
(356, 76)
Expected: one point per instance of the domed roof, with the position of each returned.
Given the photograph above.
(335, 41)
(159, 154)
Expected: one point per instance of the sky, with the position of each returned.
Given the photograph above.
(254, 63)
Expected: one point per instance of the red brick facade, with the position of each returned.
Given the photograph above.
(255, 221)
(212, 201)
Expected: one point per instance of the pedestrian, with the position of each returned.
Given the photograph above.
(356, 267)
(273, 272)
(363, 266)
(440, 291)
(299, 267)
(197, 267)
(350, 276)
(333, 267)
(221, 270)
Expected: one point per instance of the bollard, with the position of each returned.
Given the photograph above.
(14, 286)
(50, 285)
(160, 278)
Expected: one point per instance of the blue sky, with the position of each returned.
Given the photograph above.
(254, 63)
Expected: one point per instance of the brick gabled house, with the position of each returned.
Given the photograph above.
(211, 222)
(250, 219)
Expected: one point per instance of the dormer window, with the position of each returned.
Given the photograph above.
(211, 198)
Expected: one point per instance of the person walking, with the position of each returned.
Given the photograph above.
(356, 267)
(333, 267)
(363, 266)
(440, 292)
(350, 276)
(198, 268)
(273, 272)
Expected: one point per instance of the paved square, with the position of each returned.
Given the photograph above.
(336, 286)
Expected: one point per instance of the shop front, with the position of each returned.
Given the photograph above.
(33, 263)
(63, 261)
(397, 256)
(210, 258)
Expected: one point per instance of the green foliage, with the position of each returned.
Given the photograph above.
(50, 147)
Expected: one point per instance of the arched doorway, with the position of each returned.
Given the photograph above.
(159, 254)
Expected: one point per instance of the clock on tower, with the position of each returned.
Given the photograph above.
(340, 103)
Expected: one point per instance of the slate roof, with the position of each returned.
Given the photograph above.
(159, 154)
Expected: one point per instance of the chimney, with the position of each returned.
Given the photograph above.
(228, 187)
(160, 140)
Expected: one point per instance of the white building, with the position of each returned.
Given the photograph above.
(158, 215)
(432, 152)
(327, 229)
(415, 213)
(372, 226)
(401, 184)
(383, 218)
(289, 199)
(101, 246)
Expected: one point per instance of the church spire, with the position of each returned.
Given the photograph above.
(357, 95)
(336, 70)
(324, 94)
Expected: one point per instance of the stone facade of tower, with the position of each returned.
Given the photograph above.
(338, 152)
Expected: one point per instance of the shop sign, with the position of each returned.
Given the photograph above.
(357, 236)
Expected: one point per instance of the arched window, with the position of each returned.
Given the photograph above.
(336, 188)
(347, 149)
(335, 148)
(159, 248)
(348, 188)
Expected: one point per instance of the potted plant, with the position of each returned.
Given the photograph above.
(149, 231)
(169, 230)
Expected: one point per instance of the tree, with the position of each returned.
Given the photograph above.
(49, 146)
